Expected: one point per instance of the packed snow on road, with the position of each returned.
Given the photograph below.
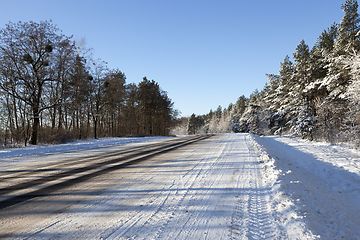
(230, 186)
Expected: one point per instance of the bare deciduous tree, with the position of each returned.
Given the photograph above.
(33, 56)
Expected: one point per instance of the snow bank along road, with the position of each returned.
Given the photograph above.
(232, 186)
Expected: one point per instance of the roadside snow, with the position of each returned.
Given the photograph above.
(73, 146)
(15, 160)
(318, 183)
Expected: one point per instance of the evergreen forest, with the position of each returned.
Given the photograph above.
(315, 94)
(52, 91)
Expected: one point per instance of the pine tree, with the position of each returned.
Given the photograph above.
(349, 27)
(346, 43)
(338, 69)
(155, 108)
(350, 128)
(114, 100)
(286, 70)
(238, 111)
(327, 38)
(302, 75)
(287, 96)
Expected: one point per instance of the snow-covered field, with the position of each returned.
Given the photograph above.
(232, 186)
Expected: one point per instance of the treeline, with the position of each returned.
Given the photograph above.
(315, 95)
(50, 91)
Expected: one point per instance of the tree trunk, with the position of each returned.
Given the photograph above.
(95, 127)
(34, 134)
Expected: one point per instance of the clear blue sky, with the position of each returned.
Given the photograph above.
(204, 53)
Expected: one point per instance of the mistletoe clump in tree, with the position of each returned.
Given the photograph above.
(34, 57)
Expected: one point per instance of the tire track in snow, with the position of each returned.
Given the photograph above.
(140, 218)
(179, 197)
(182, 198)
(239, 215)
(165, 205)
(238, 218)
(260, 226)
(252, 218)
(198, 219)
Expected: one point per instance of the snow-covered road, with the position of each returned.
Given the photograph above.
(231, 186)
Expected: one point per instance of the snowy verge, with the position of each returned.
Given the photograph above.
(320, 181)
(74, 146)
(284, 209)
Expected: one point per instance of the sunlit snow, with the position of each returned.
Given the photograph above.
(237, 186)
